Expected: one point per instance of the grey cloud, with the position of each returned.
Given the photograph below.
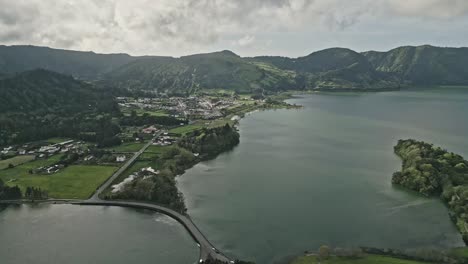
(184, 26)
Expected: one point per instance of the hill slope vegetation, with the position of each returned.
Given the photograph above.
(330, 69)
(40, 104)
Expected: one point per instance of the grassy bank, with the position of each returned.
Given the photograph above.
(368, 259)
(127, 147)
(15, 161)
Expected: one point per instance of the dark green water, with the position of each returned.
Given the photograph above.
(322, 175)
(57, 234)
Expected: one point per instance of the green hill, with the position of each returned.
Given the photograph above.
(41, 104)
(423, 65)
(218, 70)
(84, 65)
(334, 69)
(45, 90)
(329, 69)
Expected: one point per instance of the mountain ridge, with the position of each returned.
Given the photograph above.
(329, 69)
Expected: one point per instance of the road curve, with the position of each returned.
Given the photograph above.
(207, 250)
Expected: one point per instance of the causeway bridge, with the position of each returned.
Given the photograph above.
(207, 250)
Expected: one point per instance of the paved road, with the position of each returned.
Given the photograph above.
(207, 250)
(129, 163)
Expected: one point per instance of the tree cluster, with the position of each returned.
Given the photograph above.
(430, 171)
(210, 142)
(9, 193)
(34, 193)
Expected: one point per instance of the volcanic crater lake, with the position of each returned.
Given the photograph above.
(322, 175)
(298, 179)
(57, 234)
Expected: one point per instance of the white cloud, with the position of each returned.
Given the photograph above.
(246, 40)
(429, 8)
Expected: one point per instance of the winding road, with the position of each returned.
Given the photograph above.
(207, 250)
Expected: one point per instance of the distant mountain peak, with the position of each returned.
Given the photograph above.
(229, 53)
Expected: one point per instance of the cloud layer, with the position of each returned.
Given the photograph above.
(176, 27)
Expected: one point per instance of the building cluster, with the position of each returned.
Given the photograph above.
(49, 169)
(193, 107)
(164, 140)
(41, 150)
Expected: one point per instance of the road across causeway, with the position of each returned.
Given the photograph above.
(207, 250)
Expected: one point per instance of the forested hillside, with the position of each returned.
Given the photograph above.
(219, 70)
(423, 65)
(44, 90)
(332, 69)
(40, 104)
(85, 65)
(335, 68)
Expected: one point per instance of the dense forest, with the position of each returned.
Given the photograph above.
(209, 142)
(9, 193)
(432, 170)
(41, 104)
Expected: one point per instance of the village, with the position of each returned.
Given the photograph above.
(192, 108)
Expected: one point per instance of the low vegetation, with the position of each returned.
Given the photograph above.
(432, 170)
(211, 261)
(368, 259)
(325, 255)
(75, 181)
(15, 161)
(126, 147)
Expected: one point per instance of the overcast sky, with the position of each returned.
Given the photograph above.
(247, 27)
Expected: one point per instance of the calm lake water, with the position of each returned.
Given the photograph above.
(322, 175)
(57, 234)
(298, 179)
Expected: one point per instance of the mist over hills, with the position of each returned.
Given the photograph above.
(329, 69)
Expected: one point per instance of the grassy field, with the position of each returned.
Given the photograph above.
(57, 140)
(16, 161)
(460, 252)
(157, 149)
(221, 122)
(369, 259)
(140, 112)
(127, 147)
(185, 129)
(76, 181)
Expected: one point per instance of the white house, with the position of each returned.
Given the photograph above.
(120, 158)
